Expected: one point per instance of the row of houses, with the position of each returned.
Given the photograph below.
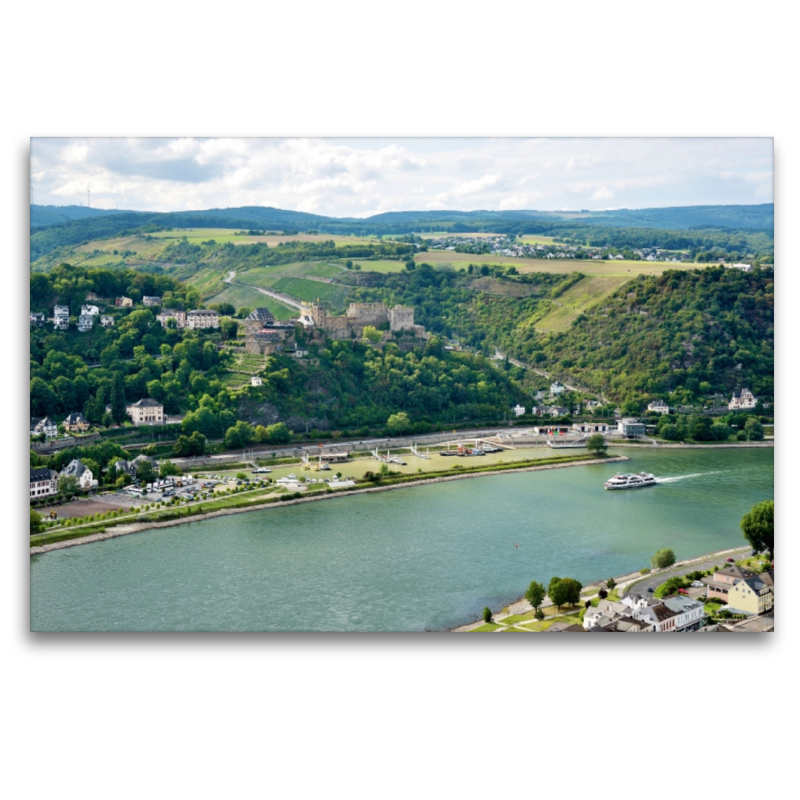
(635, 613)
(744, 593)
(143, 412)
(741, 400)
(200, 318)
(44, 481)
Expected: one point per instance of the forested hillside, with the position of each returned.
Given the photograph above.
(342, 384)
(699, 332)
(742, 229)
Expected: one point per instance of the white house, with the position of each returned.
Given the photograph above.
(91, 311)
(61, 318)
(631, 427)
(44, 482)
(690, 613)
(662, 618)
(85, 322)
(202, 318)
(77, 469)
(742, 400)
(151, 300)
(256, 381)
(557, 388)
(37, 318)
(146, 412)
(166, 314)
(44, 425)
(659, 406)
(107, 321)
(518, 410)
(742, 267)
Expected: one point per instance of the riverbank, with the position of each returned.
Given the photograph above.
(623, 582)
(138, 527)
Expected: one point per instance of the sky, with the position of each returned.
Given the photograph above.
(360, 177)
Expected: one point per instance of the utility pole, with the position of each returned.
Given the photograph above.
(89, 196)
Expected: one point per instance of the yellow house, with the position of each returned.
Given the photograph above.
(751, 595)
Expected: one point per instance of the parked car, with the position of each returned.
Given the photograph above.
(697, 585)
(650, 589)
(732, 560)
(682, 591)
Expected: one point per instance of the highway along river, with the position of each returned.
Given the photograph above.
(406, 560)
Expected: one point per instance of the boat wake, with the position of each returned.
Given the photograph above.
(691, 475)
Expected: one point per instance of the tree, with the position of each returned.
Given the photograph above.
(487, 614)
(596, 443)
(535, 594)
(145, 472)
(758, 527)
(558, 593)
(36, 522)
(611, 584)
(573, 589)
(118, 399)
(603, 593)
(754, 429)
(398, 423)
(229, 328)
(168, 468)
(68, 486)
(539, 614)
(663, 558)
(372, 333)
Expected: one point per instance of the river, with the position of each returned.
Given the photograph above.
(407, 560)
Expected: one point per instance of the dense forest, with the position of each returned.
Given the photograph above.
(696, 332)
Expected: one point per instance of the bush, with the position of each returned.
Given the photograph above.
(645, 571)
(487, 614)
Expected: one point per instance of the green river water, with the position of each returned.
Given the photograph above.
(406, 560)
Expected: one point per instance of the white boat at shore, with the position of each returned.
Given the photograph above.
(628, 481)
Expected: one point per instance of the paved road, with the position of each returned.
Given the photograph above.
(654, 581)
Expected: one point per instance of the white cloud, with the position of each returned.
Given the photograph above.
(359, 177)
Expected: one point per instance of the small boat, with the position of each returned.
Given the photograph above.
(629, 481)
(261, 469)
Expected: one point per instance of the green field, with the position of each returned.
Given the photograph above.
(536, 239)
(311, 291)
(239, 296)
(379, 266)
(584, 294)
(555, 266)
(225, 235)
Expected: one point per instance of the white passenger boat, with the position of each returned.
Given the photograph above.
(636, 481)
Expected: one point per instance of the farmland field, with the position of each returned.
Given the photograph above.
(312, 290)
(225, 235)
(239, 296)
(584, 294)
(555, 266)
(379, 266)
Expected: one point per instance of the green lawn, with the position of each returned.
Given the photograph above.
(487, 628)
